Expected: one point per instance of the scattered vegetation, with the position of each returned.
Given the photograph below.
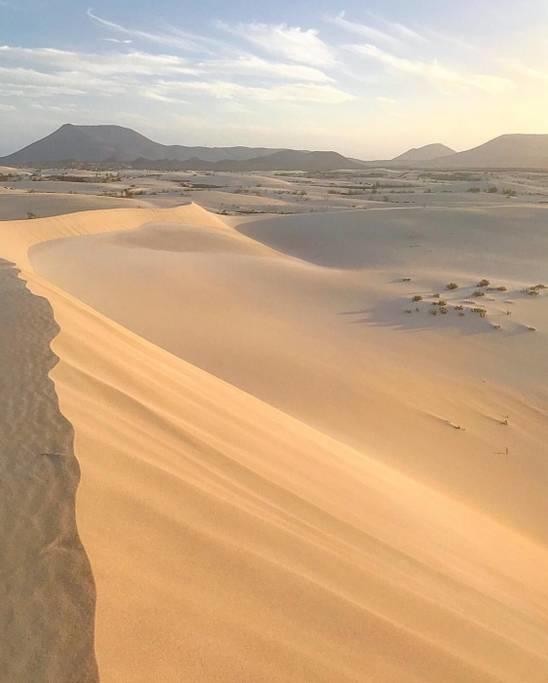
(417, 297)
(483, 283)
(451, 285)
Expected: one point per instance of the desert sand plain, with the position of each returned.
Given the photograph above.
(290, 452)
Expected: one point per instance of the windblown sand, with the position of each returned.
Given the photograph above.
(284, 476)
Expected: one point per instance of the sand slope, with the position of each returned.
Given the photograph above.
(47, 591)
(231, 541)
(331, 346)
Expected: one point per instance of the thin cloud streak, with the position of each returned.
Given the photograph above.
(289, 42)
(433, 71)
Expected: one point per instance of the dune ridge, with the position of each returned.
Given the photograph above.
(231, 541)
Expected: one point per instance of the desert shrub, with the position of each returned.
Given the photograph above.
(478, 292)
(451, 285)
(509, 192)
(433, 311)
(459, 308)
(417, 297)
(435, 296)
(474, 189)
(493, 189)
(483, 283)
(443, 310)
(30, 215)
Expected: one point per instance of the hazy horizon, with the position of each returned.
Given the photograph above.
(368, 82)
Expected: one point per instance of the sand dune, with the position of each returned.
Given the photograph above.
(342, 355)
(316, 517)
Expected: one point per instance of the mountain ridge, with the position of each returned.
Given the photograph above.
(115, 146)
(110, 144)
(426, 153)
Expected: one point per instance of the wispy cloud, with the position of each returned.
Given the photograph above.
(433, 71)
(364, 30)
(251, 65)
(288, 42)
(405, 32)
(181, 40)
(227, 90)
(128, 41)
(162, 77)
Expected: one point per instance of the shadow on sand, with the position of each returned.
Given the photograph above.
(47, 591)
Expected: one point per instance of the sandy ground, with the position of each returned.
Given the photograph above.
(285, 477)
(16, 204)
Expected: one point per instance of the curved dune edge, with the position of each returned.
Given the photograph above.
(231, 542)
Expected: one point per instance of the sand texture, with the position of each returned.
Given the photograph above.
(47, 591)
(284, 475)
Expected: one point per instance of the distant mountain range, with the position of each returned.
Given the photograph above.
(110, 146)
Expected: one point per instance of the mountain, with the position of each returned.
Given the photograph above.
(505, 151)
(283, 160)
(115, 144)
(96, 144)
(425, 153)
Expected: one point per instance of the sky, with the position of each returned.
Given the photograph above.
(367, 79)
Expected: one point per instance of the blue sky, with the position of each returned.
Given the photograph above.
(366, 78)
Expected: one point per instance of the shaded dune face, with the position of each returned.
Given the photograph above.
(47, 593)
